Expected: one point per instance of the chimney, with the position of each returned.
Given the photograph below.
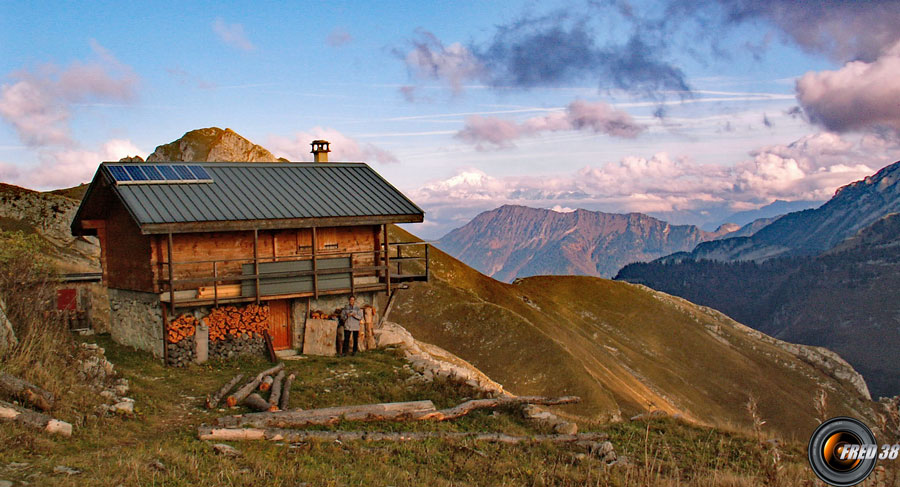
(320, 150)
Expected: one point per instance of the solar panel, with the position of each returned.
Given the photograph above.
(136, 173)
(184, 172)
(168, 173)
(159, 174)
(199, 172)
(153, 173)
(118, 173)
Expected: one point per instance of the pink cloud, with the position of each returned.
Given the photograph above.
(859, 96)
(431, 59)
(39, 103)
(339, 37)
(343, 148)
(232, 34)
(67, 167)
(599, 118)
(810, 168)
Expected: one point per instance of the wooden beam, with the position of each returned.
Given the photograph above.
(256, 261)
(315, 265)
(426, 262)
(171, 274)
(286, 223)
(387, 261)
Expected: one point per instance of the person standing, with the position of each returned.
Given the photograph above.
(351, 315)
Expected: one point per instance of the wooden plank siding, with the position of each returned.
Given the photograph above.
(237, 247)
(127, 253)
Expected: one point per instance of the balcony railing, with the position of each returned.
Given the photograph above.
(218, 281)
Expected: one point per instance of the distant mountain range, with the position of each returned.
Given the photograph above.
(516, 241)
(828, 276)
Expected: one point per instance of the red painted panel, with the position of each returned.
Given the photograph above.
(66, 299)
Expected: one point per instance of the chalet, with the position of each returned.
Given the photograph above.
(238, 249)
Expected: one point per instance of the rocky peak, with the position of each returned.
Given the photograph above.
(212, 145)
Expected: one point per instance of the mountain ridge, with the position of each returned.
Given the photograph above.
(514, 241)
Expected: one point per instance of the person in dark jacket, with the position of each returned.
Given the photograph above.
(351, 315)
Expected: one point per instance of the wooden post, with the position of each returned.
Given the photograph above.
(256, 261)
(387, 260)
(216, 284)
(165, 326)
(315, 266)
(352, 286)
(399, 260)
(171, 276)
(426, 262)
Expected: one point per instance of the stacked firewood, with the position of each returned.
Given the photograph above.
(321, 315)
(230, 321)
(182, 327)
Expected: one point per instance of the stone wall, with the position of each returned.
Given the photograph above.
(136, 320)
(327, 304)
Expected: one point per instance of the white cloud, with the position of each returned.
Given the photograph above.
(39, 103)
(343, 148)
(232, 34)
(68, 167)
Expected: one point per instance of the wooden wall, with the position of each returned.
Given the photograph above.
(128, 253)
(273, 245)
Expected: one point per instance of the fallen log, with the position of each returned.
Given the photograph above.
(11, 412)
(292, 436)
(242, 393)
(285, 401)
(399, 411)
(26, 391)
(275, 395)
(212, 402)
(266, 383)
(469, 406)
(255, 401)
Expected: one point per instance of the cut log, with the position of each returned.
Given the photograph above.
(212, 402)
(275, 395)
(285, 401)
(266, 383)
(469, 406)
(242, 393)
(292, 436)
(398, 411)
(11, 412)
(26, 391)
(324, 416)
(255, 401)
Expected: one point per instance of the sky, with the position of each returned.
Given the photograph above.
(687, 110)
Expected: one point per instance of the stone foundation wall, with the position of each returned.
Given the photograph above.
(182, 353)
(136, 320)
(233, 346)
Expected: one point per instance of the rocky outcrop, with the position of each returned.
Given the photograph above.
(431, 361)
(212, 145)
(516, 241)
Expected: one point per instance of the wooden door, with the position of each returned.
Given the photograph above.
(280, 324)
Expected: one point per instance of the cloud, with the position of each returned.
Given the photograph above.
(338, 37)
(232, 34)
(39, 103)
(343, 148)
(67, 167)
(598, 117)
(810, 168)
(842, 29)
(454, 64)
(859, 96)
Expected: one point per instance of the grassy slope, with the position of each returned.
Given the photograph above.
(118, 450)
(624, 348)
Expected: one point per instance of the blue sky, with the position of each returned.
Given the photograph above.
(686, 110)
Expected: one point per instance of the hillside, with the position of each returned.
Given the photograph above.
(845, 299)
(516, 241)
(810, 232)
(624, 348)
(49, 215)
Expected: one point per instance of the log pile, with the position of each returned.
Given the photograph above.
(321, 315)
(237, 330)
(230, 321)
(182, 327)
(27, 417)
(295, 436)
(241, 394)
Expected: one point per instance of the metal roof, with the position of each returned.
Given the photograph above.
(245, 192)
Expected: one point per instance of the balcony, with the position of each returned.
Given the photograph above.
(216, 282)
